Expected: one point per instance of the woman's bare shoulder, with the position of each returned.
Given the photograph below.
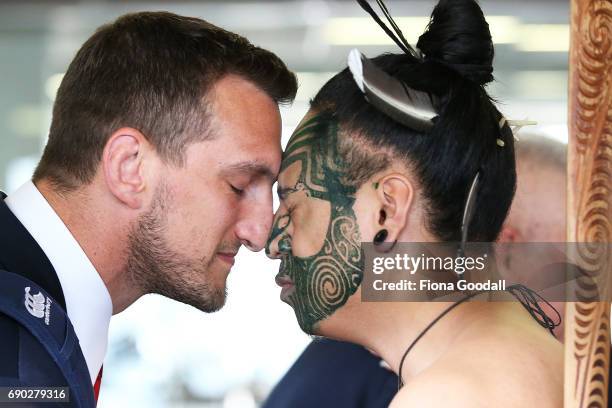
(434, 388)
(478, 382)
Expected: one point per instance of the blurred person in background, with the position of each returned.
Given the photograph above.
(163, 148)
(332, 373)
(538, 209)
(538, 212)
(363, 170)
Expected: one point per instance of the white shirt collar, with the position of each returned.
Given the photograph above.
(88, 302)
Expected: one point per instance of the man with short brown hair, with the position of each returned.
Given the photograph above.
(163, 148)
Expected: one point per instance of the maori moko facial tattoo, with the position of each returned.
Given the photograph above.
(313, 176)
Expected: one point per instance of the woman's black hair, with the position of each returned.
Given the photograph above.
(456, 64)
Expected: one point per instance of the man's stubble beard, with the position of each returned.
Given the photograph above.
(153, 267)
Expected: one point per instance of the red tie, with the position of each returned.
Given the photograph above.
(97, 384)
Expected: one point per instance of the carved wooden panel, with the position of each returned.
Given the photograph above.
(587, 331)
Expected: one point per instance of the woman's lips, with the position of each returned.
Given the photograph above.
(286, 284)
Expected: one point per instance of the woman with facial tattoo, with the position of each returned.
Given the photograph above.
(410, 148)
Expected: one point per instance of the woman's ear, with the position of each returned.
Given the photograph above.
(395, 194)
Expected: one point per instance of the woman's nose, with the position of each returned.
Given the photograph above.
(277, 235)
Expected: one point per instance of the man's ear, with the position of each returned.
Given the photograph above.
(395, 193)
(123, 166)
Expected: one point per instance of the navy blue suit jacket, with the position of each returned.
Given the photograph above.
(24, 361)
(334, 374)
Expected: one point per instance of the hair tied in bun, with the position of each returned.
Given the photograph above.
(458, 37)
(480, 74)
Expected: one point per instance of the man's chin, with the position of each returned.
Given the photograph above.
(213, 304)
(204, 298)
(212, 308)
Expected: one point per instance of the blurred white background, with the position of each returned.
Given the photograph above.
(163, 353)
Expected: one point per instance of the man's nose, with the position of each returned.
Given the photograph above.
(252, 230)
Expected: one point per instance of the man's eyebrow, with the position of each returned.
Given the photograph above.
(253, 168)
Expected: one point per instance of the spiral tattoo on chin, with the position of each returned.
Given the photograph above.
(324, 281)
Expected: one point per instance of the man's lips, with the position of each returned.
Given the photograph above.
(228, 257)
(286, 284)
